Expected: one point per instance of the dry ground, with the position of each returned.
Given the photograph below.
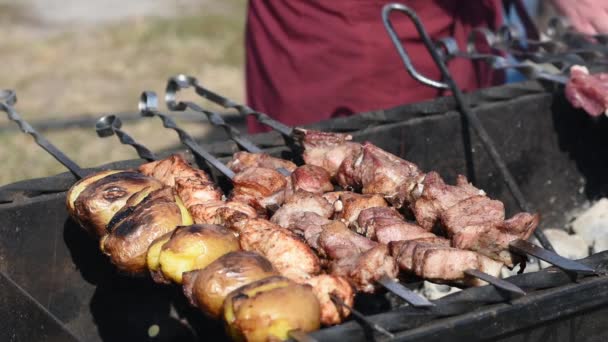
(63, 66)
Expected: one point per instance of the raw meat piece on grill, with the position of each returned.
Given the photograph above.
(589, 92)
(327, 150)
(379, 172)
(221, 212)
(311, 178)
(262, 188)
(242, 160)
(299, 202)
(436, 197)
(385, 224)
(288, 254)
(351, 204)
(365, 269)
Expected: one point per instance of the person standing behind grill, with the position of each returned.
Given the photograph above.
(311, 60)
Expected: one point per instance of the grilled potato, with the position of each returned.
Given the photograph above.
(207, 288)
(94, 200)
(269, 308)
(145, 217)
(194, 247)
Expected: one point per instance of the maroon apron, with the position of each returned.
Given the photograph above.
(312, 60)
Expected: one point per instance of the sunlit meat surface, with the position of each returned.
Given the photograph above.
(242, 160)
(327, 150)
(589, 92)
(365, 269)
(376, 171)
(311, 178)
(300, 202)
(261, 188)
(385, 224)
(221, 212)
(289, 255)
(350, 204)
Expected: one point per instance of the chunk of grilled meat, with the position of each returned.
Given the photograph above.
(224, 213)
(243, 160)
(299, 202)
(288, 254)
(336, 241)
(376, 171)
(308, 225)
(261, 188)
(365, 269)
(351, 204)
(144, 218)
(193, 186)
(94, 200)
(385, 224)
(322, 286)
(311, 178)
(437, 197)
(434, 260)
(169, 169)
(327, 150)
(478, 224)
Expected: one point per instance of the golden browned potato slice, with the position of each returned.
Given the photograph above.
(207, 288)
(194, 247)
(152, 259)
(269, 308)
(94, 200)
(138, 224)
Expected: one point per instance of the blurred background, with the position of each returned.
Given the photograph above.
(86, 58)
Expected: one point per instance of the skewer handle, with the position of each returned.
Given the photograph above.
(244, 110)
(361, 317)
(110, 124)
(510, 288)
(8, 98)
(177, 83)
(148, 106)
(525, 247)
(404, 293)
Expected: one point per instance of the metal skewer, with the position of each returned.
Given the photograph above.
(360, 317)
(449, 83)
(8, 98)
(110, 124)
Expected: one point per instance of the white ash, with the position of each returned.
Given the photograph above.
(592, 226)
(434, 291)
(570, 246)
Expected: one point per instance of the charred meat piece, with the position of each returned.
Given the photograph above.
(196, 191)
(327, 150)
(288, 254)
(336, 241)
(311, 178)
(322, 286)
(242, 160)
(94, 200)
(589, 92)
(351, 204)
(437, 197)
(365, 269)
(384, 224)
(222, 213)
(141, 221)
(299, 202)
(261, 188)
(379, 172)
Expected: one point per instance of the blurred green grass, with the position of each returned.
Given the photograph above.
(103, 69)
